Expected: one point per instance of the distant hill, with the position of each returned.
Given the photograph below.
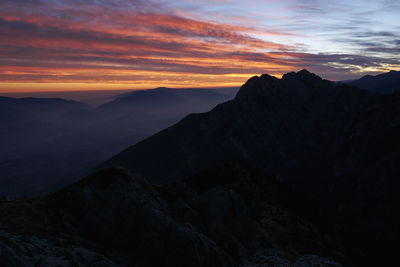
(26, 121)
(13, 110)
(385, 83)
(39, 143)
(150, 111)
(47, 143)
(168, 101)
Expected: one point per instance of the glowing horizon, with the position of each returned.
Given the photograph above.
(105, 45)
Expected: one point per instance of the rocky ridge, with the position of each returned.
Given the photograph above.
(336, 143)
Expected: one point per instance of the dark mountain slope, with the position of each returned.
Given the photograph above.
(385, 83)
(114, 218)
(288, 126)
(336, 143)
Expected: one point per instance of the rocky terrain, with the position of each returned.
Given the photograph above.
(114, 218)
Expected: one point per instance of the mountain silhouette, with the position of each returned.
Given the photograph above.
(385, 83)
(336, 143)
(297, 171)
(283, 125)
(169, 99)
(149, 111)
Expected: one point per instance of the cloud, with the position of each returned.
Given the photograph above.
(126, 41)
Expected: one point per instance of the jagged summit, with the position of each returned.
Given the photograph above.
(300, 74)
(292, 83)
(303, 75)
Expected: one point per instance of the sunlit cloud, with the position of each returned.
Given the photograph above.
(143, 44)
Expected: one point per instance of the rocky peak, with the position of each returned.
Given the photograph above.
(303, 78)
(303, 75)
(291, 85)
(257, 87)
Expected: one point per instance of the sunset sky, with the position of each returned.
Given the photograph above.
(109, 44)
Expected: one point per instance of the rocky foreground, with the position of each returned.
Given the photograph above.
(113, 218)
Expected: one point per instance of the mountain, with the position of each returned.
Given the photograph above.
(150, 111)
(47, 143)
(168, 101)
(19, 115)
(221, 217)
(385, 83)
(297, 171)
(335, 143)
(37, 147)
(25, 121)
(294, 121)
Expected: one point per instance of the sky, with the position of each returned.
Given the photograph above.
(50, 45)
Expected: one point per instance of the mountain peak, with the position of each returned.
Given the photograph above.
(304, 71)
(303, 75)
(258, 87)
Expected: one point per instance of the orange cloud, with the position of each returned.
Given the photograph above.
(114, 48)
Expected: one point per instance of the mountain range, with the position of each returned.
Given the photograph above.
(297, 171)
(335, 143)
(385, 83)
(57, 141)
